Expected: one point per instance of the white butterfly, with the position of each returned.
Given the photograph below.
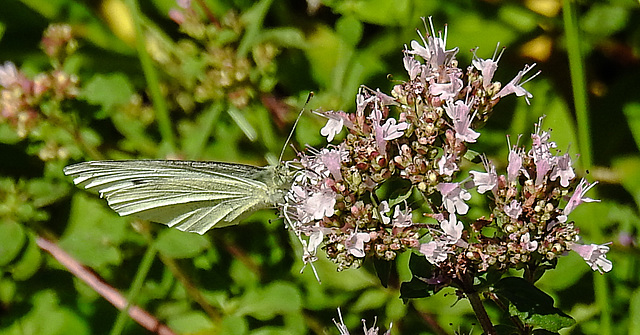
(192, 196)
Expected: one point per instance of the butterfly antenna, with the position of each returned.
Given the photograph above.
(294, 126)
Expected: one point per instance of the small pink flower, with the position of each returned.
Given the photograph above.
(513, 209)
(333, 127)
(527, 244)
(454, 197)
(355, 244)
(578, 196)
(435, 251)
(402, 218)
(9, 74)
(514, 86)
(176, 15)
(392, 130)
(487, 66)
(412, 66)
(447, 165)
(448, 90)
(595, 255)
(563, 170)
(485, 181)
(320, 205)
(452, 229)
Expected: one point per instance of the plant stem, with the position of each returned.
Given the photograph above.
(476, 304)
(112, 295)
(138, 281)
(159, 104)
(516, 321)
(578, 83)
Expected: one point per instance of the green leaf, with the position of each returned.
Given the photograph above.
(383, 270)
(108, 91)
(627, 169)
(421, 269)
(605, 19)
(277, 298)
(284, 37)
(349, 29)
(632, 112)
(234, 325)
(29, 262)
(45, 192)
(12, 240)
(193, 322)
(382, 12)
(94, 232)
(634, 309)
(8, 290)
(369, 300)
(178, 244)
(531, 305)
(47, 317)
(415, 289)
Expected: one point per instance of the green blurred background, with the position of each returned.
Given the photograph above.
(227, 85)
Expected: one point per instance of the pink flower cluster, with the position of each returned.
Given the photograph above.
(406, 148)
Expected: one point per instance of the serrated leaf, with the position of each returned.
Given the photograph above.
(531, 305)
(178, 244)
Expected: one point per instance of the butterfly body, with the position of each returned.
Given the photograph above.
(192, 196)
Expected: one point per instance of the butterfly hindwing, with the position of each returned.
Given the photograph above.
(190, 195)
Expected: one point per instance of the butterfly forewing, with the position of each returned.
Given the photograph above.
(190, 195)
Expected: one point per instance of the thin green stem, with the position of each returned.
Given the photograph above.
(159, 104)
(253, 18)
(578, 83)
(138, 280)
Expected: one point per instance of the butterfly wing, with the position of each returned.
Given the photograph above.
(189, 195)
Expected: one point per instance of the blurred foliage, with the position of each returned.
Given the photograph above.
(226, 84)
